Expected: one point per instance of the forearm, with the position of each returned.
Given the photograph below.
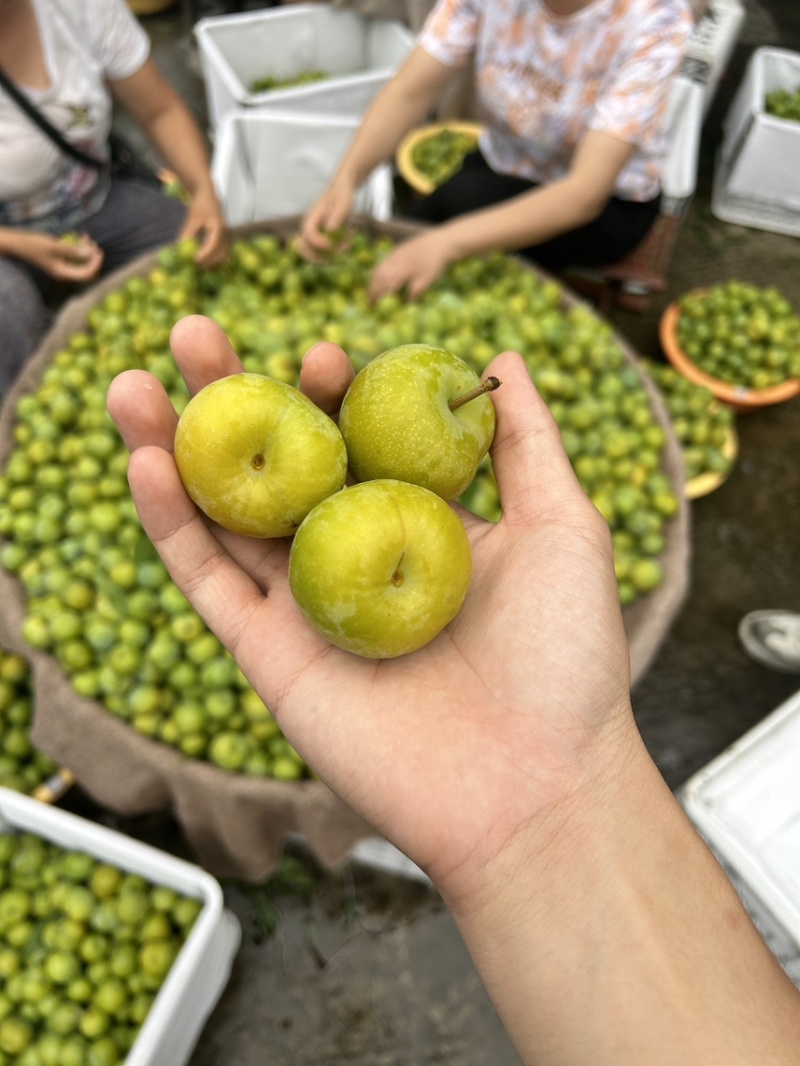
(525, 220)
(621, 942)
(180, 143)
(401, 105)
(12, 241)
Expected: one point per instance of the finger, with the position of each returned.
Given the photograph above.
(383, 282)
(142, 410)
(225, 578)
(314, 247)
(415, 287)
(212, 250)
(533, 472)
(202, 351)
(325, 376)
(220, 590)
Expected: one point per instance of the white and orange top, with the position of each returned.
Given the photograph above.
(544, 81)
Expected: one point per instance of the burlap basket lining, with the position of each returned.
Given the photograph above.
(237, 824)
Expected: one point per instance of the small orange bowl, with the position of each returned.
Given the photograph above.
(740, 397)
(404, 157)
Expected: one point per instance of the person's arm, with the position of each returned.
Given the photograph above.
(525, 220)
(167, 122)
(407, 99)
(65, 261)
(503, 757)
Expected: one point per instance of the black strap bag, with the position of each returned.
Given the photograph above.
(123, 161)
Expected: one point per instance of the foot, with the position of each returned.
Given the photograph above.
(773, 639)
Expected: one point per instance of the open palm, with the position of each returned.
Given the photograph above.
(451, 750)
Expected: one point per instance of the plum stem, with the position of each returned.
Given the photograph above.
(489, 385)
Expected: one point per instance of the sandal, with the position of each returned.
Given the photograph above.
(773, 639)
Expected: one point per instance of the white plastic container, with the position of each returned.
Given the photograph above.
(358, 54)
(746, 803)
(268, 164)
(202, 967)
(756, 179)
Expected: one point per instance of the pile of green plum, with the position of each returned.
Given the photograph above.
(783, 104)
(269, 82)
(84, 949)
(98, 598)
(22, 767)
(439, 156)
(740, 334)
(702, 425)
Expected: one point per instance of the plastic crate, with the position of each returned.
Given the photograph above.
(756, 171)
(358, 55)
(271, 164)
(202, 967)
(746, 804)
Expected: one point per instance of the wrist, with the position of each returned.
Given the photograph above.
(583, 802)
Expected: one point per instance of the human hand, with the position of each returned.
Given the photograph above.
(498, 723)
(414, 265)
(72, 261)
(327, 216)
(204, 220)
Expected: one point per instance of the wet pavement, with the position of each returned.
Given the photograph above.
(359, 967)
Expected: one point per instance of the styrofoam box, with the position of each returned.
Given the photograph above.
(684, 124)
(711, 45)
(759, 157)
(746, 803)
(267, 164)
(357, 53)
(201, 968)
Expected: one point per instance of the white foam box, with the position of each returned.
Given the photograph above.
(711, 45)
(203, 965)
(684, 123)
(746, 804)
(357, 53)
(268, 164)
(756, 173)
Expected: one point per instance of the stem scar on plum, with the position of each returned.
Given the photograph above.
(489, 385)
(398, 576)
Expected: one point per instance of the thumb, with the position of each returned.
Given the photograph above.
(533, 472)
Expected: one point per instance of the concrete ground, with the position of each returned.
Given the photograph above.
(365, 968)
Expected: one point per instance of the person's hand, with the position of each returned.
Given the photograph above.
(328, 215)
(494, 727)
(71, 261)
(414, 265)
(205, 221)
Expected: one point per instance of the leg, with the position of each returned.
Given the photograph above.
(622, 225)
(471, 188)
(618, 230)
(133, 220)
(24, 319)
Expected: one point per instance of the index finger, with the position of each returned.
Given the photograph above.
(202, 351)
(533, 471)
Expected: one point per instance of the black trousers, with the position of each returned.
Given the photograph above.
(619, 228)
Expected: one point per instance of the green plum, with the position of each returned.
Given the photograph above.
(380, 568)
(397, 420)
(256, 455)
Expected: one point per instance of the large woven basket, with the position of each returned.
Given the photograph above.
(235, 823)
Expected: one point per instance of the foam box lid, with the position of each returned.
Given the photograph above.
(746, 803)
